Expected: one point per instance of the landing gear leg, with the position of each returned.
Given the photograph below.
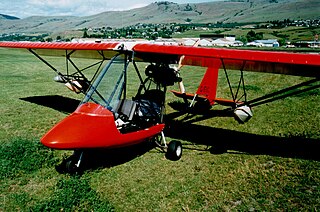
(73, 163)
(160, 141)
(164, 139)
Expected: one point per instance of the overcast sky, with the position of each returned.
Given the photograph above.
(26, 8)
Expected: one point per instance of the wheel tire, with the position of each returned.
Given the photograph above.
(71, 166)
(174, 150)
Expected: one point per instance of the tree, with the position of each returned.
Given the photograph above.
(243, 39)
(49, 39)
(85, 33)
(251, 36)
(282, 42)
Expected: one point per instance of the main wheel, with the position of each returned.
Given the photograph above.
(174, 150)
(71, 167)
(72, 163)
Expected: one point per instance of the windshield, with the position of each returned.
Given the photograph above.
(107, 87)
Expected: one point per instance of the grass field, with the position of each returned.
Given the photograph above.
(271, 163)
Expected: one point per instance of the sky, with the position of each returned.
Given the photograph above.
(26, 8)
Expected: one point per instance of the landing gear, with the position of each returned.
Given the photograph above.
(72, 164)
(174, 150)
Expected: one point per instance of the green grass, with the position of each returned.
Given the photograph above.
(271, 163)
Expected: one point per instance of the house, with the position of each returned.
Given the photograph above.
(264, 43)
(226, 42)
(190, 41)
(205, 42)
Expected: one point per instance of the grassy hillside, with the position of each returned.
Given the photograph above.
(168, 12)
(271, 163)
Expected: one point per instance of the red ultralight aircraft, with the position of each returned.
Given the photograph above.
(107, 118)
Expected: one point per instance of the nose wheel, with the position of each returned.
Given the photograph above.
(72, 164)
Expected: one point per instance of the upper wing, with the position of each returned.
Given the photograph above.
(247, 60)
(82, 50)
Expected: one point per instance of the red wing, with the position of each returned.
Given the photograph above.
(82, 50)
(247, 60)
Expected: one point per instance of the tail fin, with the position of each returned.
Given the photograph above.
(208, 85)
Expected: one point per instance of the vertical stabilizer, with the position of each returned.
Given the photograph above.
(208, 85)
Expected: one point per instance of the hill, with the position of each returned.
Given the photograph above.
(7, 17)
(241, 11)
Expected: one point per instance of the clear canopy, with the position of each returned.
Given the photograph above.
(109, 83)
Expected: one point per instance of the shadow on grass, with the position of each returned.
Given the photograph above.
(106, 158)
(222, 140)
(200, 108)
(56, 102)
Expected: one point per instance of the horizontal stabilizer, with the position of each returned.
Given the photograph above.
(189, 96)
(220, 101)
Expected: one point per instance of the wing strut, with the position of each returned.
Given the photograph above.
(76, 81)
(241, 83)
(61, 78)
(142, 84)
(47, 63)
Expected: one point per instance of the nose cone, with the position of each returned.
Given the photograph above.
(87, 127)
(93, 126)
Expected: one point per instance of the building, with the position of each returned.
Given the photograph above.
(264, 43)
(226, 42)
(205, 42)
